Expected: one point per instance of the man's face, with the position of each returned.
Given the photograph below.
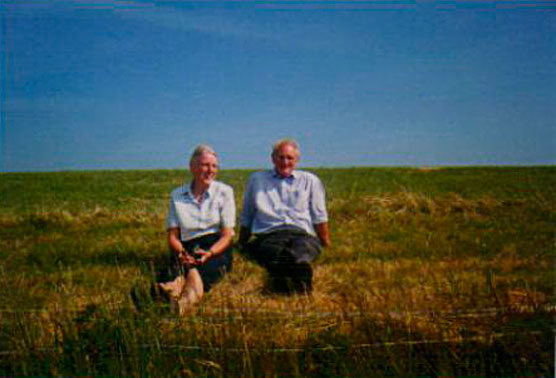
(285, 160)
(204, 169)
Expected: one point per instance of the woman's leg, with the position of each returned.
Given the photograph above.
(184, 291)
(192, 291)
(215, 268)
(173, 288)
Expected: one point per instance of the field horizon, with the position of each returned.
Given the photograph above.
(253, 169)
(443, 270)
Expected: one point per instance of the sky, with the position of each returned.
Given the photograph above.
(94, 84)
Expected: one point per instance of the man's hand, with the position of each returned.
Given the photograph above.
(244, 235)
(323, 234)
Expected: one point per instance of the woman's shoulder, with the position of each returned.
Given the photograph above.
(222, 187)
(179, 191)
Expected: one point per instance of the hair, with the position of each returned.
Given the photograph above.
(202, 149)
(283, 142)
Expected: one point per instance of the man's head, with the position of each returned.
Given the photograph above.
(285, 155)
(203, 164)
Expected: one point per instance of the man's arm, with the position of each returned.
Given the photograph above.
(244, 235)
(323, 234)
(247, 214)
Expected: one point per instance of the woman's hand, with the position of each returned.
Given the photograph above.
(199, 257)
(186, 259)
(203, 256)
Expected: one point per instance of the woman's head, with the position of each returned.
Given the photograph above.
(203, 164)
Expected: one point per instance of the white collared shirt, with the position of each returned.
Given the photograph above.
(271, 202)
(216, 211)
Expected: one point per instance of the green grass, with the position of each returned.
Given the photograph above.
(432, 272)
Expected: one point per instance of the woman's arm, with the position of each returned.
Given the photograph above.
(175, 245)
(227, 214)
(174, 240)
(225, 241)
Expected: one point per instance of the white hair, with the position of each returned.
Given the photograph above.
(199, 150)
(285, 142)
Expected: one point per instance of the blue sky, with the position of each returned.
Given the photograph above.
(137, 84)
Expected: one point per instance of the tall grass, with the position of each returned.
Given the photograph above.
(432, 272)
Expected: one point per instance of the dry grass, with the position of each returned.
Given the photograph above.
(414, 282)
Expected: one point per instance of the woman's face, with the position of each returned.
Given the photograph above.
(204, 169)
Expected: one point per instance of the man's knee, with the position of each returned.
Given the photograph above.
(305, 249)
(281, 252)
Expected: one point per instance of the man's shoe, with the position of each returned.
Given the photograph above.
(303, 278)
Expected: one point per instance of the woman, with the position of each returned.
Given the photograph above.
(200, 227)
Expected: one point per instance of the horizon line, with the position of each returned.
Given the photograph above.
(377, 166)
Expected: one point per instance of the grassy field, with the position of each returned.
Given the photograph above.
(432, 272)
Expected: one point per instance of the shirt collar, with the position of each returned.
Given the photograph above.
(293, 176)
(188, 191)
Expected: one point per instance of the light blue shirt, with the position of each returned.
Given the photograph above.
(271, 202)
(216, 211)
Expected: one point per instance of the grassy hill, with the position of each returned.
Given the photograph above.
(432, 271)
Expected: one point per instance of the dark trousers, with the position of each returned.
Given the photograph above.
(211, 272)
(286, 254)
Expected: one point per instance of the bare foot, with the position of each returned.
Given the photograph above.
(173, 289)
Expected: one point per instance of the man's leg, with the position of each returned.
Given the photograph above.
(303, 249)
(287, 256)
(268, 251)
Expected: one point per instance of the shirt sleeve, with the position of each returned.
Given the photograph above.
(171, 218)
(228, 212)
(317, 205)
(246, 219)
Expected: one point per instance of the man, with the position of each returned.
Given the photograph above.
(285, 210)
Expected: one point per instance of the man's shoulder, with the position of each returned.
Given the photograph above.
(265, 173)
(260, 176)
(306, 175)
